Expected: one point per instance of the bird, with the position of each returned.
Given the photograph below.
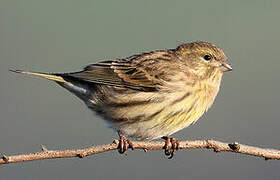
(149, 95)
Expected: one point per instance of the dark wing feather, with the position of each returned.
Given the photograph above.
(121, 73)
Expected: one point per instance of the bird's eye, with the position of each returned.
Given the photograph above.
(207, 57)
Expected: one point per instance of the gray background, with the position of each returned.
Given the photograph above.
(66, 35)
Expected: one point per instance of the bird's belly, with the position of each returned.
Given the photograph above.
(160, 126)
(151, 116)
(172, 119)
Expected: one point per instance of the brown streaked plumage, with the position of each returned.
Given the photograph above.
(153, 94)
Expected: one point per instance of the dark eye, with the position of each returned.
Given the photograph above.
(207, 57)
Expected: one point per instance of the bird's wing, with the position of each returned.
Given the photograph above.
(122, 73)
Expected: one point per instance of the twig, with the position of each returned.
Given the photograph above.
(217, 146)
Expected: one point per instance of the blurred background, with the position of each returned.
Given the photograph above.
(58, 36)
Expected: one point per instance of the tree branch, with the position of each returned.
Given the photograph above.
(217, 146)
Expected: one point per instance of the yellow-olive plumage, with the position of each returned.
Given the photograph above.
(153, 94)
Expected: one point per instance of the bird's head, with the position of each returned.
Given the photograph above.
(203, 59)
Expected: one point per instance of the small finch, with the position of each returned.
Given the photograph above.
(149, 95)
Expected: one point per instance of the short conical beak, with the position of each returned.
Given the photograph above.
(225, 67)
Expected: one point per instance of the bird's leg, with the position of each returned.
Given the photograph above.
(170, 150)
(167, 145)
(124, 143)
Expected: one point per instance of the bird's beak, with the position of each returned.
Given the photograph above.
(225, 67)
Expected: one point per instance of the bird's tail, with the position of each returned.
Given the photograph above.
(53, 77)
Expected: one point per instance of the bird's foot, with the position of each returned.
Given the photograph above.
(169, 150)
(124, 143)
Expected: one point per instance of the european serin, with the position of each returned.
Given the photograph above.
(149, 95)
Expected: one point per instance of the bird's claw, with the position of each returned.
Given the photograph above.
(124, 143)
(170, 150)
